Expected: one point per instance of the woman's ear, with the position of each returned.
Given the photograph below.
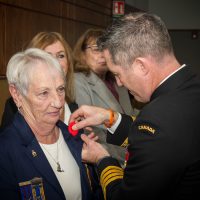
(15, 95)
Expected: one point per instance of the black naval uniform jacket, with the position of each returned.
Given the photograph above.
(163, 146)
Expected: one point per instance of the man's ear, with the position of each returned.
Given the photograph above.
(15, 95)
(141, 66)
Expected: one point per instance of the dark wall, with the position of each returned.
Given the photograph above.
(20, 20)
(186, 47)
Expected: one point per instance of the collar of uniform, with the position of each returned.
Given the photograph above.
(174, 81)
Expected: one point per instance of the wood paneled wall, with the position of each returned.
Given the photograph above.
(20, 20)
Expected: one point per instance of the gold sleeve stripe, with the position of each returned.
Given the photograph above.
(108, 175)
(109, 169)
(108, 182)
(113, 173)
(112, 179)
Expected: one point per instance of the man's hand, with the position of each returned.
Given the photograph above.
(87, 116)
(92, 151)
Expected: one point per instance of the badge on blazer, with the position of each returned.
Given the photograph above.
(34, 154)
(32, 190)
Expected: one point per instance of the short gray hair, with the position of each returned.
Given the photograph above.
(135, 35)
(22, 64)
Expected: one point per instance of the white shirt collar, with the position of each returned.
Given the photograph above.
(67, 113)
(172, 74)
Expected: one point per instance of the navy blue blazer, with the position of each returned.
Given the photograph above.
(19, 164)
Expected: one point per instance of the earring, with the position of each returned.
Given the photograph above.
(18, 108)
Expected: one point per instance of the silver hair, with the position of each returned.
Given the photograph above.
(22, 64)
(135, 35)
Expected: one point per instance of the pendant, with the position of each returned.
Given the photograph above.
(59, 168)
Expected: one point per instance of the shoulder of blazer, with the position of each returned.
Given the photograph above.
(80, 76)
(8, 113)
(12, 105)
(92, 78)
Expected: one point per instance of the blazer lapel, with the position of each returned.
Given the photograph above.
(73, 106)
(74, 143)
(39, 160)
(37, 157)
(75, 147)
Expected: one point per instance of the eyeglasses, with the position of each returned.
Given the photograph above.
(94, 48)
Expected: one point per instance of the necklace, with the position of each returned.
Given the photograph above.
(59, 169)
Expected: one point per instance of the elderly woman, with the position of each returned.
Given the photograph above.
(39, 157)
(56, 45)
(95, 85)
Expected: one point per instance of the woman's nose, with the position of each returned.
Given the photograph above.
(56, 101)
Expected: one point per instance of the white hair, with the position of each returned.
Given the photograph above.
(22, 64)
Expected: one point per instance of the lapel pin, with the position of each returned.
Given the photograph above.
(34, 154)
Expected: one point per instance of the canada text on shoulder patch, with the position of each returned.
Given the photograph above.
(146, 128)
